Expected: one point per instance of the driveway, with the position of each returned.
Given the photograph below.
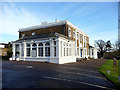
(20, 74)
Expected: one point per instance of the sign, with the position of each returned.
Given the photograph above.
(115, 64)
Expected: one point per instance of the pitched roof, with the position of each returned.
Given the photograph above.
(41, 36)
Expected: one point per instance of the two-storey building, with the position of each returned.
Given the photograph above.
(56, 42)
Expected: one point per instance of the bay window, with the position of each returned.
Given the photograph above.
(47, 49)
(40, 49)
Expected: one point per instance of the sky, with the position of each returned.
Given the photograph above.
(98, 19)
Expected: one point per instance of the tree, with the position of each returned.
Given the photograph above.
(9, 52)
(103, 46)
(116, 46)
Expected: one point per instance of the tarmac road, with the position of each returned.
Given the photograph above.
(20, 74)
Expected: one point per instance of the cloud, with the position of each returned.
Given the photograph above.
(13, 18)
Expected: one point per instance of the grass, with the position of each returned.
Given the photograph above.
(113, 77)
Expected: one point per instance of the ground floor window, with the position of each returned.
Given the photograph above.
(47, 51)
(78, 51)
(81, 52)
(34, 53)
(92, 51)
(54, 51)
(22, 50)
(28, 51)
(67, 51)
(40, 51)
(70, 51)
(64, 51)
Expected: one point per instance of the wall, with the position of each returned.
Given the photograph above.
(66, 59)
(2, 51)
(58, 29)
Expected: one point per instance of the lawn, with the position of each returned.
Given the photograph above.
(113, 76)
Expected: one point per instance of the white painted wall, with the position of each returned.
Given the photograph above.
(66, 59)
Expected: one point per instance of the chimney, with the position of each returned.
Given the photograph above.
(44, 23)
(56, 20)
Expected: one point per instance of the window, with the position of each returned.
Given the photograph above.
(28, 49)
(33, 33)
(54, 51)
(84, 38)
(23, 35)
(73, 34)
(69, 32)
(47, 49)
(77, 36)
(78, 51)
(81, 52)
(67, 51)
(5, 53)
(54, 42)
(64, 51)
(92, 51)
(64, 48)
(40, 49)
(22, 50)
(54, 48)
(34, 52)
(70, 49)
(80, 37)
(61, 48)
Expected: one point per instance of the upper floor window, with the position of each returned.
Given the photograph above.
(80, 37)
(73, 34)
(77, 36)
(23, 35)
(69, 32)
(84, 38)
(33, 33)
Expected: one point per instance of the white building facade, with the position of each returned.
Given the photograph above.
(57, 42)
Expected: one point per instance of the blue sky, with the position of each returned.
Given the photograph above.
(98, 19)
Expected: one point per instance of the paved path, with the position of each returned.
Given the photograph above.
(19, 74)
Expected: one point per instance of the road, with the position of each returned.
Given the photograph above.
(20, 74)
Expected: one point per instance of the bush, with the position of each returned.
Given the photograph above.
(111, 55)
(4, 57)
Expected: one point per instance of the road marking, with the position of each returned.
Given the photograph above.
(82, 74)
(94, 85)
(29, 66)
(81, 69)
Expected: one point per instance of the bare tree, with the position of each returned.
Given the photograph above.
(116, 46)
(103, 46)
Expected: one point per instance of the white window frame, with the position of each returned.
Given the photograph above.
(55, 50)
(34, 47)
(23, 35)
(28, 53)
(80, 37)
(69, 32)
(77, 51)
(40, 50)
(73, 34)
(64, 44)
(47, 50)
(33, 33)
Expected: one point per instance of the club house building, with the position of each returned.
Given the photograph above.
(56, 42)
